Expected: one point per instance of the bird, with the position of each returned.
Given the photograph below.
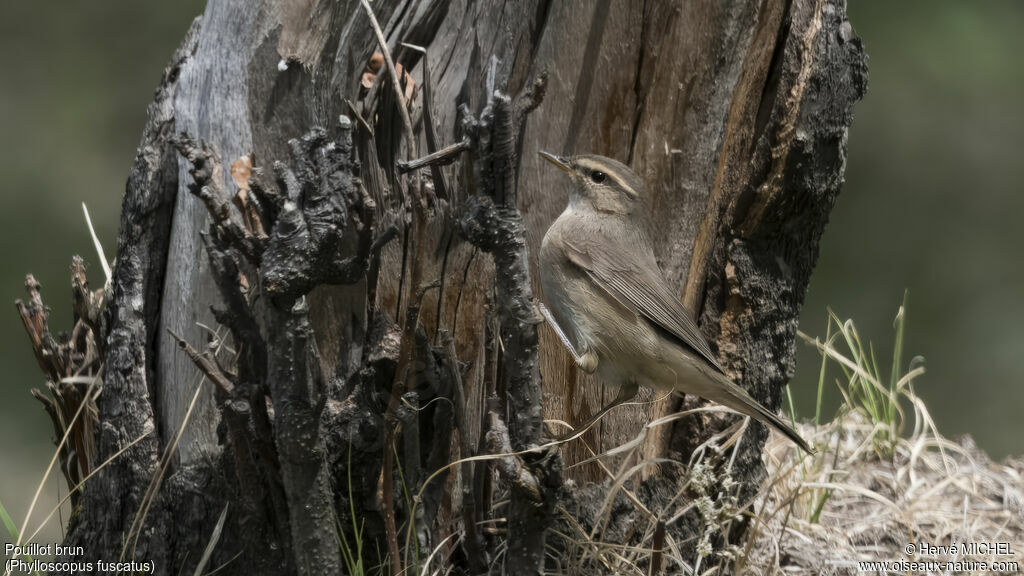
(610, 304)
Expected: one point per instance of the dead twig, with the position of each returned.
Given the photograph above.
(362, 121)
(403, 106)
(440, 185)
(207, 177)
(206, 364)
(511, 466)
(413, 244)
(442, 157)
(659, 548)
(70, 367)
(492, 222)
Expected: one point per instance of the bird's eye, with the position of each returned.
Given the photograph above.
(598, 177)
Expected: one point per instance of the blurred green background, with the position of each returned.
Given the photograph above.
(73, 99)
(931, 202)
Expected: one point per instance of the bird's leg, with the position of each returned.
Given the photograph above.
(627, 391)
(558, 330)
(584, 359)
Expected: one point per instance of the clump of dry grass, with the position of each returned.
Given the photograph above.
(931, 490)
(663, 525)
(876, 493)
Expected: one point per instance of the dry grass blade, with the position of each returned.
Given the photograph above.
(78, 487)
(860, 504)
(622, 449)
(214, 538)
(96, 242)
(435, 551)
(135, 530)
(53, 460)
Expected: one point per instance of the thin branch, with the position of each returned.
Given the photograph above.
(403, 106)
(207, 175)
(491, 222)
(442, 157)
(511, 466)
(362, 121)
(206, 365)
(414, 244)
(440, 185)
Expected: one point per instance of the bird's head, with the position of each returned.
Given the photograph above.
(602, 184)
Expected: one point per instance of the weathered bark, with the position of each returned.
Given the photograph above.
(344, 288)
(126, 407)
(492, 223)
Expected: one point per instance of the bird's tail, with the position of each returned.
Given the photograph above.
(740, 400)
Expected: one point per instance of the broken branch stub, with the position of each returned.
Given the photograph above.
(293, 239)
(319, 195)
(72, 365)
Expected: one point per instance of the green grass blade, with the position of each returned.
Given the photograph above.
(12, 529)
(897, 352)
(353, 557)
(822, 374)
(881, 407)
(414, 566)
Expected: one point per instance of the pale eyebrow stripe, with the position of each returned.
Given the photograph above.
(626, 187)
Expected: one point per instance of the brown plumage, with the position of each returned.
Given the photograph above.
(610, 303)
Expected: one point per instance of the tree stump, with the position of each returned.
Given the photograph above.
(323, 311)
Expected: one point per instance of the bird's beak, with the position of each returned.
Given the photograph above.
(558, 161)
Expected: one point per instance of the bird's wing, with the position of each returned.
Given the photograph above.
(640, 285)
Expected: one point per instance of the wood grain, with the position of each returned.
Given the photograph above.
(678, 89)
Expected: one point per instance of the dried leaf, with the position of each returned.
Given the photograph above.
(241, 172)
(368, 79)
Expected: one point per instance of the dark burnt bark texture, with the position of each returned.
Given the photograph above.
(491, 222)
(324, 299)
